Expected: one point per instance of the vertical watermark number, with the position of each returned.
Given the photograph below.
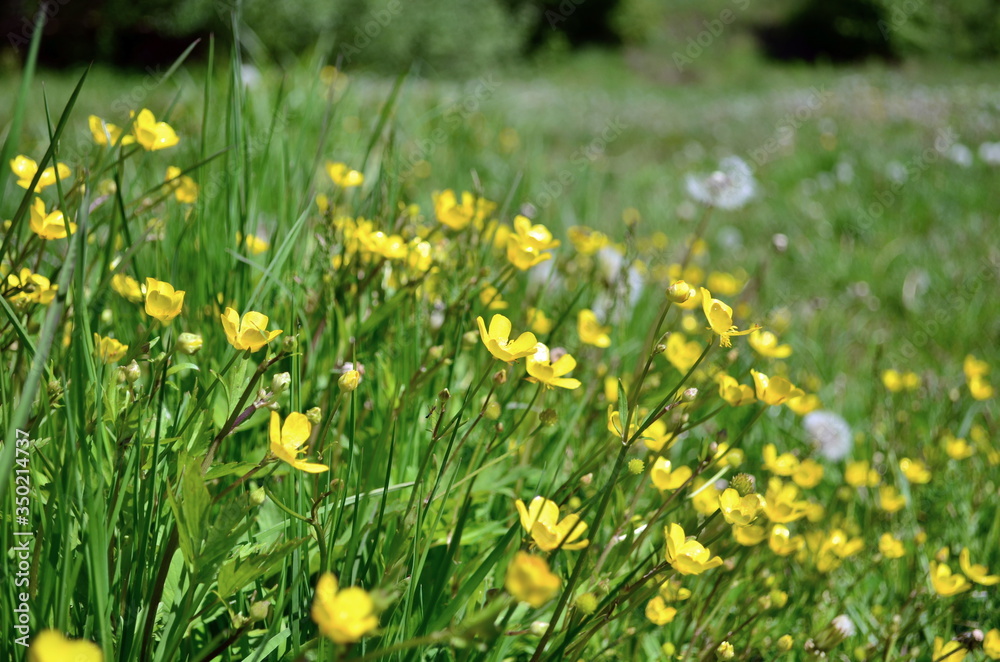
(23, 535)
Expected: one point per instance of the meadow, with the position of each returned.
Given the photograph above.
(267, 393)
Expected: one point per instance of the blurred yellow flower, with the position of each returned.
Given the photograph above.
(28, 287)
(975, 376)
(681, 353)
(732, 391)
(52, 646)
(26, 169)
(591, 331)
(490, 297)
(890, 546)
(539, 323)
(49, 225)
(664, 477)
(529, 580)
(860, 474)
(541, 520)
(457, 215)
(896, 382)
(109, 350)
(343, 176)
(740, 510)
(748, 536)
(250, 332)
(287, 440)
(106, 133)
(804, 404)
(255, 245)
(587, 241)
(127, 287)
(957, 449)
(672, 591)
(528, 244)
(162, 302)
(688, 557)
(345, 616)
(948, 651)
(782, 543)
(543, 371)
(149, 133)
(766, 344)
(497, 340)
(915, 471)
(991, 644)
(185, 189)
(720, 319)
(976, 572)
(945, 583)
(781, 502)
(658, 612)
(706, 496)
(808, 474)
(780, 465)
(776, 390)
(889, 499)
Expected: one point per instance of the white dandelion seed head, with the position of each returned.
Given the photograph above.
(729, 187)
(830, 433)
(960, 154)
(990, 152)
(844, 625)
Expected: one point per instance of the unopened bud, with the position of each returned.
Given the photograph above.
(258, 496)
(189, 343)
(689, 395)
(132, 372)
(491, 410)
(659, 349)
(289, 344)
(349, 381)
(436, 352)
(785, 643)
(679, 291)
(280, 383)
(500, 377)
(315, 415)
(538, 628)
(260, 610)
(470, 338)
(444, 395)
(549, 417)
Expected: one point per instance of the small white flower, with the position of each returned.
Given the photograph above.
(990, 152)
(829, 432)
(960, 154)
(729, 187)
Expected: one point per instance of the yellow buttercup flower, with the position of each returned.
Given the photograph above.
(497, 340)
(250, 332)
(457, 215)
(52, 646)
(740, 510)
(26, 169)
(782, 504)
(106, 133)
(774, 390)
(162, 302)
(287, 440)
(591, 331)
(49, 225)
(975, 377)
(528, 244)
(539, 323)
(705, 496)
(664, 477)
(748, 536)
(681, 353)
(860, 474)
(586, 240)
(672, 591)
(492, 299)
(185, 189)
(688, 557)
(720, 319)
(109, 350)
(890, 499)
(915, 471)
(27, 287)
(897, 382)
(255, 245)
(149, 133)
(976, 572)
(948, 651)
(541, 520)
(127, 287)
(343, 176)
(782, 543)
(808, 474)
(957, 449)
(804, 404)
(345, 616)
(766, 344)
(658, 612)
(543, 371)
(945, 583)
(732, 391)
(780, 465)
(530, 580)
(890, 546)
(991, 644)
(680, 292)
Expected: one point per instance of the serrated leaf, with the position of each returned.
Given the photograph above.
(237, 573)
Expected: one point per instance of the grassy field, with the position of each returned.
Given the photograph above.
(170, 520)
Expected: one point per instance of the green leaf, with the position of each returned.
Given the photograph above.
(237, 573)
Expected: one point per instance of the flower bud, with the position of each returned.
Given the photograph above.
(689, 395)
(315, 415)
(260, 610)
(258, 496)
(785, 643)
(349, 381)
(679, 291)
(586, 603)
(189, 343)
(725, 651)
(636, 466)
(538, 628)
(491, 410)
(444, 395)
(289, 344)
(500, 377)
(436, 352)
(549, 417)
(280, 383)
(132, 372)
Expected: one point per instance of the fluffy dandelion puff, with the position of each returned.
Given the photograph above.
(729, 187)
(829, 432)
